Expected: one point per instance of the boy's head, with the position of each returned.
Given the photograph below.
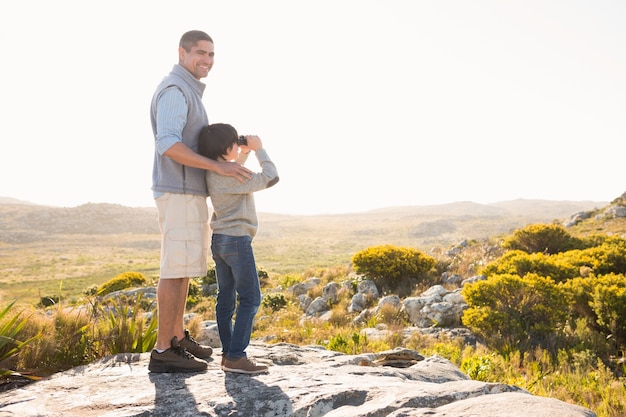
(216, 140)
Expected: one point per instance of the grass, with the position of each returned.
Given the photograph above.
(578, 377)
(77, 336)
(290, 250)
(69, 264)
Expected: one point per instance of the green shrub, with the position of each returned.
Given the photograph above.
(194, 293)
(275, 301)
(121, 282)
(609, 304)
(517, 262)
(580, 292)
(74, 342)
(10, 346)
(477, 367)
(289, 280)
(601, 301)
(609, 256)
(125, 328)
(210, 278)
(389, 265)
(348, 344)
(514, 313)
(49, 300)
(543, 238)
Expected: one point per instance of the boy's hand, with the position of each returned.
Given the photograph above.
(254, 143)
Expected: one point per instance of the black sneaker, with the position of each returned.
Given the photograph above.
(195, 348)
(175, 359)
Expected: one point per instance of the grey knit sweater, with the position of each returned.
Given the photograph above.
(234, 212)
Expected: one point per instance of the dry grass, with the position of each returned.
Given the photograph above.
(292, 250)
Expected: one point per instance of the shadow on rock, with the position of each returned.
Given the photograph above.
(254, 398)
(172, 396)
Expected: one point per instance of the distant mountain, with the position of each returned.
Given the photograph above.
(10, 200)
(22, 222)
(540, 209)
(291, 243)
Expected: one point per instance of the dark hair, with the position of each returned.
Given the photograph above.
(191, 39)
(215, 140)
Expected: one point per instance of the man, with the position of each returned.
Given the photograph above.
(178, 115)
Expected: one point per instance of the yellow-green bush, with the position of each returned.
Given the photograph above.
(274, 301)
(520, 263)
(516, 313)
(121, 282)
(543, 238)
(601, 301)
(389, 265)
(608, 257)
(609, 304)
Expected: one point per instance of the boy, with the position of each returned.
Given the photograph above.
(234, 223)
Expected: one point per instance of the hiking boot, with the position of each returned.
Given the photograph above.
(195, 348)
(243, 365)
(175, 359)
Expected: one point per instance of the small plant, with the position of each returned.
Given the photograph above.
(290, 280)
(391, 266)
(275, 301)
(210, 278)
(125, 328)
(50, 300)
(392, 315)
(194, 294)
(477, 367)
(338, 343)
(9, 344)
(121, 282)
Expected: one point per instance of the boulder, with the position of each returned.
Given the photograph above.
(302, 381)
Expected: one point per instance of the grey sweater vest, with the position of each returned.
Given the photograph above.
(168, 175)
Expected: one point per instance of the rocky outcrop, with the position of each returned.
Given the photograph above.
(303, 381)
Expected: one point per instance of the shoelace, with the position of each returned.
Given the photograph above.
(251, 362)
(181, 351)
(192, 340)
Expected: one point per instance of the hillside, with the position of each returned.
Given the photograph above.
(421, 226)
(108, 234)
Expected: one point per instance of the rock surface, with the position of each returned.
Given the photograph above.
(304, 381)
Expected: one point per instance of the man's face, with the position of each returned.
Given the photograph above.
(199, 60)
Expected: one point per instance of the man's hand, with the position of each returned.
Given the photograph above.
(233, 169)
(182, 154)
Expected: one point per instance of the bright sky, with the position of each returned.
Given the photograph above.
(361, 104)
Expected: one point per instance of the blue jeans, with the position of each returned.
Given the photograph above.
(236, 272)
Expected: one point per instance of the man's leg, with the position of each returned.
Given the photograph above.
(184, 229)
(171, 301)
(172, 356)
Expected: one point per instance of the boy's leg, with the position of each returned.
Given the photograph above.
(223, 248)
(249, 291)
